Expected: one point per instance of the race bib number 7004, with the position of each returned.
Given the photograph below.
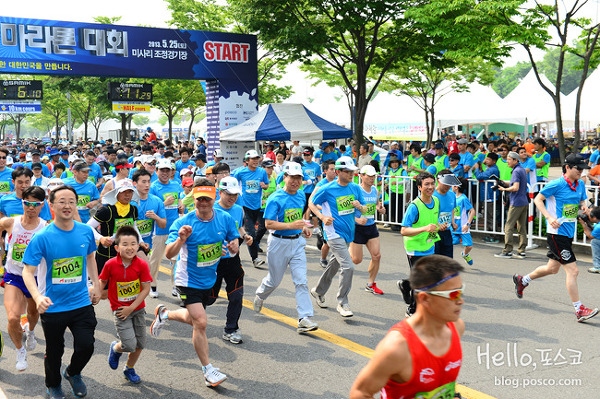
(67, 270)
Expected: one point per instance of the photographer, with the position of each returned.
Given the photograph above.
(517, 211)
(591, 228)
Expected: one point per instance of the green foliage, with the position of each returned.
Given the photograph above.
(508, 78)
(572, 72)
(199, 15)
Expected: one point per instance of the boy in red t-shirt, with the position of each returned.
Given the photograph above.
(128, 278)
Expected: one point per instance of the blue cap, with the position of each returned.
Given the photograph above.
(63, 152)
(148, 129)
(54, 152)
(324, 145)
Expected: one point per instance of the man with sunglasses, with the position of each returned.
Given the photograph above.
(338, 201)
(565, 197)
(200, 239)
(12, 204)
(421, 356)
(17, 299)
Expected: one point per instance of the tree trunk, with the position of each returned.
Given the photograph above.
(192, 117)
(123, 128)
(171, 116)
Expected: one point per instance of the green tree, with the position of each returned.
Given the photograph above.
(55, 102)
(141, 120)
(506, 79)
(172, 96)
(572, 71)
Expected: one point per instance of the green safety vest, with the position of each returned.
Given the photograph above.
(413, 173)
(399, 188)
(424, 241)
(440, 162)
(268, 191)
(504, 169)
(543, 171)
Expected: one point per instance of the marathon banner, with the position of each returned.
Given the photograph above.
(34, 46)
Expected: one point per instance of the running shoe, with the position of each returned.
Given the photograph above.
(519, 286)
(113, 356)
(305, 324)
(233, 337)
(323, 263)
(584, 313)
(77, 385)
(404, 287)
(373, 289)
(320, 300)
(213, 377)
(257, 262)
(506, 255)
(131, 375)
(467, 259)
(260, 250)
(159, 320)
(153, 294)
(520, 255)
(55, 392)
(344, 310)
(30, 341)
(594, 269)
(257, 304)
(21, 359)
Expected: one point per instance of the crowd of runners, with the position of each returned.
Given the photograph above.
(93, 221)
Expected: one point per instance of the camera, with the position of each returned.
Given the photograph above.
(585, 218)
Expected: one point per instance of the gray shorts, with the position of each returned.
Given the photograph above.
(132, 330)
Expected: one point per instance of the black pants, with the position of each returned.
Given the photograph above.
(412, 306)
(251, 216)
(262, 230)
(82, 323)
(396, 206)
(444, 245)
(230, 270)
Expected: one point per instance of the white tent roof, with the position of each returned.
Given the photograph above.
(533, 101)
(479, 105)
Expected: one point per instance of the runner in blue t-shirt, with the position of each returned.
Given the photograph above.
(63, 255)
(463, 217)
(199, 238)
(366, 232)
(87, 193)
(564, 197)
(185, 162)
(286, 247)
(6, 184)
(338, 201)
(12, 204)
(443, 192)
(253, 180)
(151, 209)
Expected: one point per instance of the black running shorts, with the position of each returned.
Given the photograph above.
(560, 249)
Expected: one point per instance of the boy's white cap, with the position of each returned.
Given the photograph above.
(293, 169)
(230, 184)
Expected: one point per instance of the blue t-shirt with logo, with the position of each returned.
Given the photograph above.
(95, 173)
(371, 203)
(336, 201)
(162, 191)
(11, 206)
(285, 208)
(200, 254)
(237, 213)
(147, 226)
(250, 182)
(180, 165)
(447, 204)
(313, 171)
(461, 217)
(562, 203)
(6, 183)
(86, 193)
(62, 275)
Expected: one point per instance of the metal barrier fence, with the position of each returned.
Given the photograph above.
(397, 192)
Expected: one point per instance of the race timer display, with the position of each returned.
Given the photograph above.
(129, 91)
(21, 90)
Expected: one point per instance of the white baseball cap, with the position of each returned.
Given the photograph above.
(251, 154)
(218, 153)
(293, 169)
(164, 164)
(345, 163)
(368, 170)
(230, 185)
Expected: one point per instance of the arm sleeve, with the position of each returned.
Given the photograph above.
(93, 223)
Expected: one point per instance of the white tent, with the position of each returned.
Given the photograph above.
(479, 105)
(588, 115)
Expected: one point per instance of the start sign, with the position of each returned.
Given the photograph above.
(226, 51)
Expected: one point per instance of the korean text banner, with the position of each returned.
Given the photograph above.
(34, 46)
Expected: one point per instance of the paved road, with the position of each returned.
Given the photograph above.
(539, 331)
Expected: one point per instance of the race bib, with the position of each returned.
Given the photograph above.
(570, 213)
(67, 270)
(291, 215)
(344, 205)
(122, 222)
(128, 291)
(432, 236)
(18, 251)
(92, 179)
(82, 201)
(457, 212)
(145, 227)
(4, 187)
(370, 214)
(174, 205)
(310, 173)
(445, 217)
(209, 254)
(446, 391)
(252, 186)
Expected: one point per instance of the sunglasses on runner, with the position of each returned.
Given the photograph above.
(34, 204)
(453, 295)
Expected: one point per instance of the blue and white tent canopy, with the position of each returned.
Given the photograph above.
(285, 122)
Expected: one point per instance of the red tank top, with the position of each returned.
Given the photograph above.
(432, 376)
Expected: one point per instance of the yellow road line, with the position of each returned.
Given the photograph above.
(467, 392)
